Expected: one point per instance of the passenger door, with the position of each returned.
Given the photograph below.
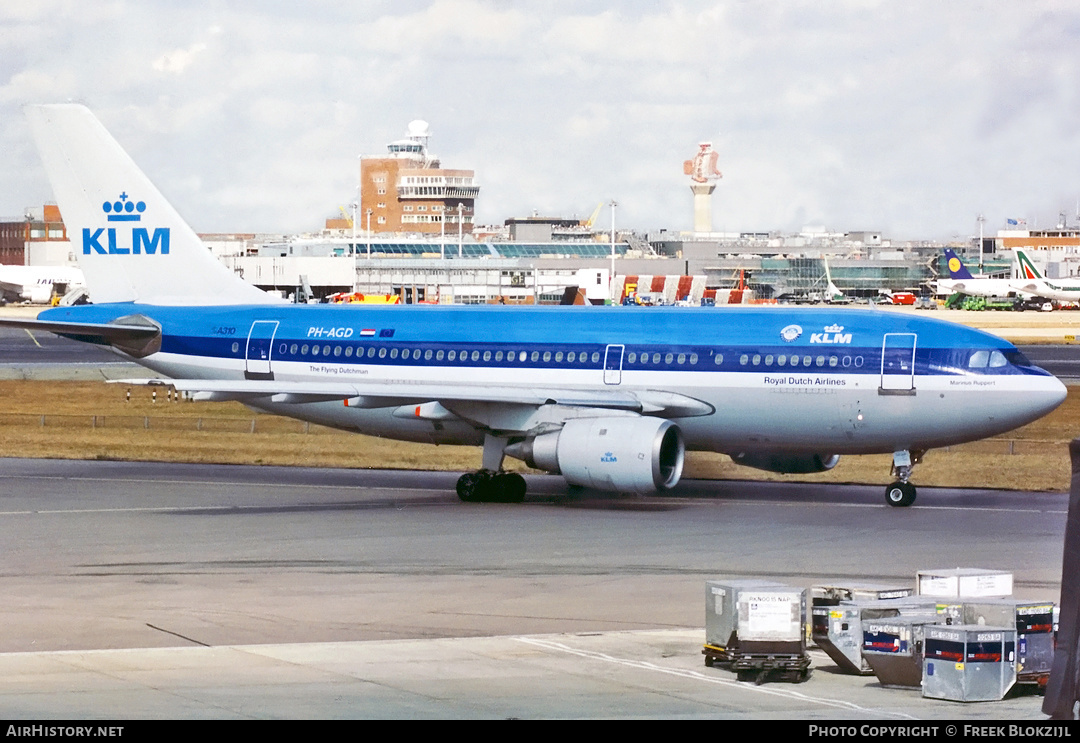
(613, 364)
(898, 364)
(260, 345)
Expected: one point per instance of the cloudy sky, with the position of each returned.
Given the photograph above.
(909, 117)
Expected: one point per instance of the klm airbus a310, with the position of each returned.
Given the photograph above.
(610, 398)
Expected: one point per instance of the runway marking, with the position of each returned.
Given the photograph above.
(32, 337)
(699, 676)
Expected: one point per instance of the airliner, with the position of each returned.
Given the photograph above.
(1033, 282)
(961, 280)
(37, 284)
(611, 398)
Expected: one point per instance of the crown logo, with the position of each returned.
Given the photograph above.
(123, 210)
(834, 329)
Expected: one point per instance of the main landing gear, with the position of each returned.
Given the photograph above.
(490, 484)
(486, 486)
(902, 493)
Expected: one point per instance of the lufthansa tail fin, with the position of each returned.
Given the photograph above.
(131, 244)
(957, 269)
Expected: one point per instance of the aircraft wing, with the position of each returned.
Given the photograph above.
(455, 396)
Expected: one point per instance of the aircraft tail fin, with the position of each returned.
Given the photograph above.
(1027, 268)
(957, 269)
(131, 244)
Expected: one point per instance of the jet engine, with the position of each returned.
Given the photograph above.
(787, 464)
(625, 455)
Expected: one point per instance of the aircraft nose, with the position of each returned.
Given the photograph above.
(1051, 396)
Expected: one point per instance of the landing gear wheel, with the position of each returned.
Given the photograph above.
(484, 486)
(900, 494)
(508, 488)
(472, 487)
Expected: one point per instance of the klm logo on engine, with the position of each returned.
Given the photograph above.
(119, 241)
(832, 334)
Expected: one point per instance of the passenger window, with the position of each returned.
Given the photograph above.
(693, 358)
(451, 355)
(427, 355)
(820, 361)
(595, 356)
(370, 352)
(743, 359)
(669, 358)
(570, 357)
(757, 359)
(487, 355)
(631, 357)
(768, 360)
(337, 350)
(475, 356)
(292, 349)
(521, 357)
(718, 359)
(304, 350)
(534, 356)
(547, 356)
(314, 350)
(326, 350)
(833, 361)
(498, 355)
(656, 358)
(806, 360)
(393, 353)
(348, 352)
(682, 359)
(781, 360)
(979, 360)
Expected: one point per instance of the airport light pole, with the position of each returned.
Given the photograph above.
(981, 219)
(369, 233)
(611, 276)
(460, 228)
(352, 250)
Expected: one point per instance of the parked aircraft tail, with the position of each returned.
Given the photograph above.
(1027, 268)
(131, 244)
(957, 269)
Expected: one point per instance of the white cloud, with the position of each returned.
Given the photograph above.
(906, 117)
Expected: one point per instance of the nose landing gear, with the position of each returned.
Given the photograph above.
(902, 493)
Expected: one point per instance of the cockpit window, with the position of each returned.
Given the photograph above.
(978, 360)
(997, 359)
(1016, 358)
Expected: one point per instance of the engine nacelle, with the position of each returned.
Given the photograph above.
(625, 455)
(787, 464)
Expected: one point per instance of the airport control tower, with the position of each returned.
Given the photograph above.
(703, 174)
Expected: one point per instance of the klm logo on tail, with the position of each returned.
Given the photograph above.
(117, 242)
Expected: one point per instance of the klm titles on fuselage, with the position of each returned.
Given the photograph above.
(832, 334)
(116, 240)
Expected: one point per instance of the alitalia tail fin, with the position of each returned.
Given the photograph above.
(1028, 271)
(131, 244)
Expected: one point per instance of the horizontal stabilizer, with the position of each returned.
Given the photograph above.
(112, 334)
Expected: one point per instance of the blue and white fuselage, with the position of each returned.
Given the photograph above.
(804, 380)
